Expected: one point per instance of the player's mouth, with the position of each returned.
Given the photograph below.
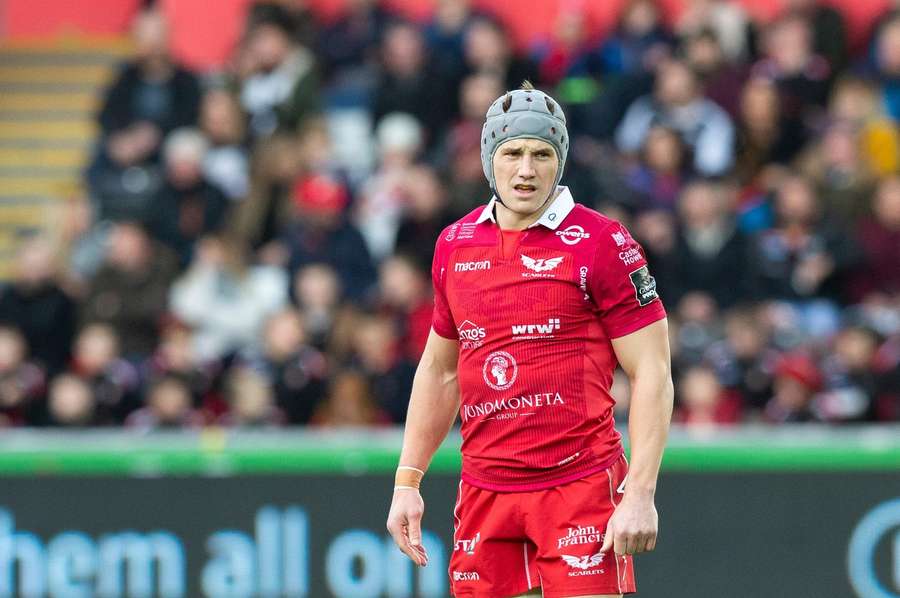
(524, 189)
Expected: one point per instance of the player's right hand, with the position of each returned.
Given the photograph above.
(405, 524)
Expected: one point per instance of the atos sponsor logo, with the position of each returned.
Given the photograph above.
(469, 266)
(465, 576)
(467, 546)
(500, 370)
(540, 267)
(512, 407)
(526, 331)
(471, 335)
(572, 235)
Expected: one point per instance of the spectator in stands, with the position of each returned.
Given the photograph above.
(460, 154)
(408, 84)
(22, 381)
(347, 47)
(177, 355)
(383, 198)
(789, 60)
(640, 41)
(829, 32)
(445, 33)
(377, 353)
(150, 97)
(703, 402)
(406, 295)
(251, 400)
(349, 404)
(678, 103)
(225, 299)
(837, 168)
(879, 240)
(568, 52)
(296, 371)
(710, 253)
(727, 21)
(487, 47)
(71, 404)
(426, 215)
(744, 362)
(858, 103)
(277, 78)
(655, 179)
(851, 383)
(722, 81)
(886, 67)
(226, 163)
(801, 260)
(35, 303)
(188, 206)
(129, 291)
(766, 136)
(317, 294)
(168, 406)
(114, 382)
(797, 380)
(320, 232)
(262, 217)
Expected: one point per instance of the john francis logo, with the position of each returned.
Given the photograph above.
(500, 370)
(583, 534)
(471, 335)
(572, 235)
(524, 331)
(469, 266)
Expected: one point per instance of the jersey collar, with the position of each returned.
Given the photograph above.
(552, 217)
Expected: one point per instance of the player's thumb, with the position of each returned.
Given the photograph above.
(415, 529)
(607, 540)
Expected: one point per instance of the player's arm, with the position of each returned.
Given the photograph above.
(433, 406)
(644, 355)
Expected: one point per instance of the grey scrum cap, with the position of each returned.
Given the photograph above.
(523, 114)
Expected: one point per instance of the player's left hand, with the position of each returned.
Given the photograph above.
(632, 527)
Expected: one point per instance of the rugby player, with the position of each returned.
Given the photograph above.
(537, 299)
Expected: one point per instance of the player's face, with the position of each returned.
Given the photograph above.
(524, 170)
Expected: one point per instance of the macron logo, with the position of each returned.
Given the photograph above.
(469, 266)
(531, 329)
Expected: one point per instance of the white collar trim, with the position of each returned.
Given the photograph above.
(552, 217)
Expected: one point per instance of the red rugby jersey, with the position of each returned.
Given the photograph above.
(535, 357)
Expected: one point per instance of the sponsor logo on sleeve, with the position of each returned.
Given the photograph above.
(467, 230)
(471, 335)
(630, 256)
(619, 238)
(572, 235)
(529, 331)
(466, 576)
(451, 234)
(644, 285)
(500, 370)
(540, 268)
(582, 282)
(471, 266)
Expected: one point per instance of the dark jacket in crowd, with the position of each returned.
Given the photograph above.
(169, 105)
(46, 317)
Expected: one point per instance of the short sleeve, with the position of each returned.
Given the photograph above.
(441, 318)
(622, 287)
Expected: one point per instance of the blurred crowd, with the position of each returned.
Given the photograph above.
(254, 245)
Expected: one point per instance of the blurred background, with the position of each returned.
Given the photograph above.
(216, 228)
